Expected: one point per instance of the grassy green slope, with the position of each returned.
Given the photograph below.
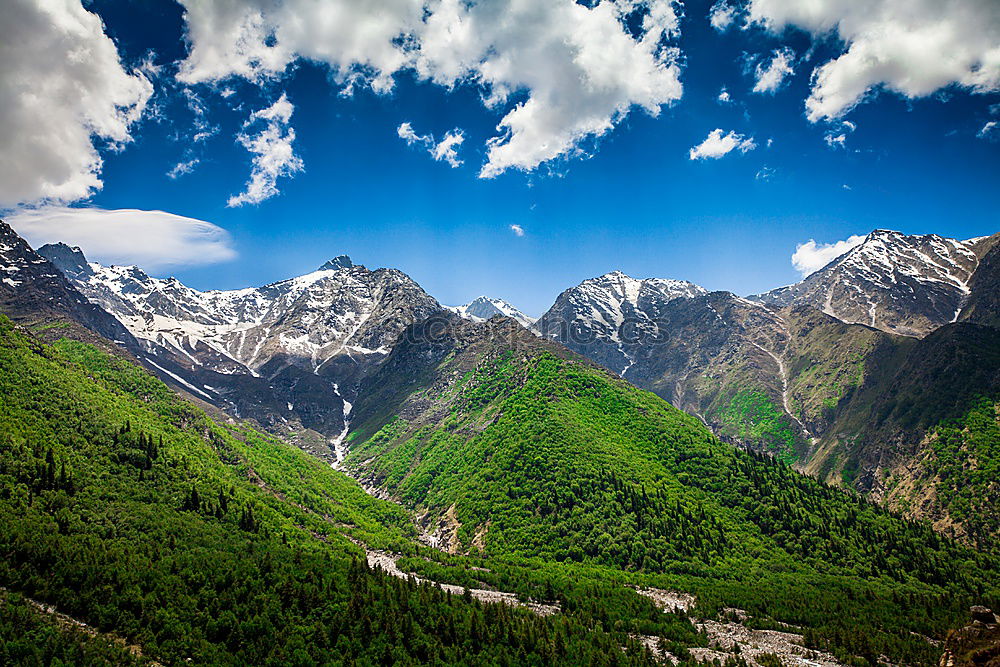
(537, 454)
(130, 510)
(577, 485)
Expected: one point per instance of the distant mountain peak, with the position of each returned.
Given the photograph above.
(68, 259)
(337, 263)
(484, 308)
(899, 283)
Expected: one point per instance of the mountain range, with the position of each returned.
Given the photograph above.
(814, 372)
(796, 372)
(617, 482)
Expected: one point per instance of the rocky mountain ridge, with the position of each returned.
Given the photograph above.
(908, 285)
(608, 317)
(285, 353)
(34, 293)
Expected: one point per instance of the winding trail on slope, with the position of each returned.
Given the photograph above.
(388, 563)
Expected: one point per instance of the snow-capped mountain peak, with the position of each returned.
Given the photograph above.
(615, 296)
(904, 284)
(483, 308)
(309, 339)
(602, 310)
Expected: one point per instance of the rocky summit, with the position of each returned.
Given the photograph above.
(289, 354)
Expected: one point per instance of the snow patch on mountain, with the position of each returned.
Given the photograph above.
(904, 284)
(484, 308)
(606, 308)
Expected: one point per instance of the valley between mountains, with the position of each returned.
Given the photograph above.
(335, 468)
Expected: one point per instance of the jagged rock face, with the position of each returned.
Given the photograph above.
(291, 350)
(484, 308)
(607, 318)
(35, 293)
(908, 285)
(338, 262)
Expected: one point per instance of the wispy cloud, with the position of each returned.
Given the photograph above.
(272, 149)
(182, 168)
(445, 150)
(764, 173)
(721, 15)
(770, 78)
(517, 229)
(990, 131)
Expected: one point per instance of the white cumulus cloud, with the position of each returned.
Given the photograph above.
(560, 72)
(154, 240)
(273, 154)
(63, 88)
(717, 144)
(517, 229)
(445, 150)
(770, 78)
(721, 15)
(911, 47)
(810, 257)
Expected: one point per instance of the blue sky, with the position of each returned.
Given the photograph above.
(630, 199)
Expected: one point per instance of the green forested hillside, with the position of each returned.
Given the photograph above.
(526, 452)
(130, 510)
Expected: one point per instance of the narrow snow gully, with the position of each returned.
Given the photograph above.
(339, 448)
